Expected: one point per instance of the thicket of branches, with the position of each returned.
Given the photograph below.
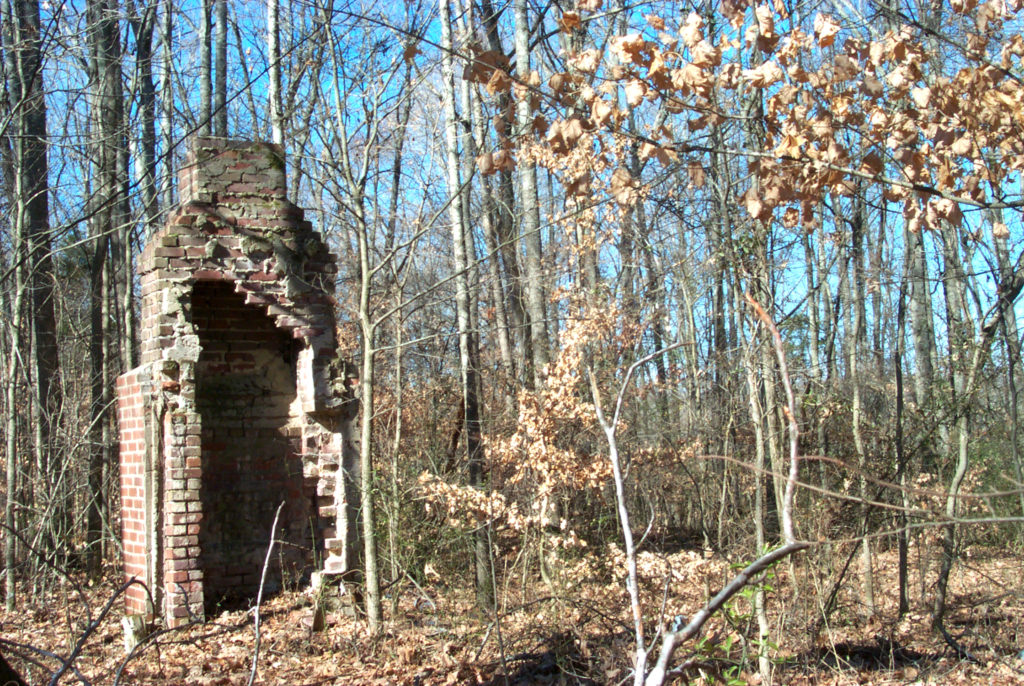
(786, 239)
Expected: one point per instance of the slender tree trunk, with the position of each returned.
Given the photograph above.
(354, 173)
(97, 453)
(144, 27)
(530, 222)
(468, 352)
(29, 143)
(489, 219)
(11, 429)
(367, 408)
(371, 572)
(220, 90)
(504, 220)
(396, 443)
(35, 183)
(14, 354)
(759, 515)
(816, 290)
(496, 279)
(877, 261)
(652, 293)
(205, 68)
(398, 285)
(1011, 338)
(167, 102)
(122, 275)
(107, 117)
(960, 339)
(829, 316)
(256, 117)
(856, 308)
(274, 59)
(920, 320)
(902, 476)
(773, 435)
(719, 230)
(145, 144)
(690, 410)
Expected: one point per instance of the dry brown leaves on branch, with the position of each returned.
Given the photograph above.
(839, 110)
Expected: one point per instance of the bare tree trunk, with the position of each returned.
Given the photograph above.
(36, 231)
(855, 300)
(14, 353)
(691, 408)
(29, 142)
(107, 117)
(1011, 338)
(144, 26)
(398, 286)
(757, 421)
(772, 432)
(354, 174)
(829, 316)
(367, 408)
(920, 320)
(205, 68)
(220, 90)
(97, 453)
(488, 218)
(902, 476)
(504, 202)
(396, 444)
(963, 382)
(496, 279)
(816, 388)
(468, 351)
(652, 294)
(167, 102)
(371, 578)
(121, 325)
(961, 336)
(274, 60)
(877, 260)
(530, 223)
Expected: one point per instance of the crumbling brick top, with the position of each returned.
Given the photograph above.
(224, 171)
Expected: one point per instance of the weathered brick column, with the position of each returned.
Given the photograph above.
(240, 403)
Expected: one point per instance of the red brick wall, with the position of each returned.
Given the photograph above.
(130, 418)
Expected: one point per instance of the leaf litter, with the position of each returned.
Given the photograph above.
(571, 631)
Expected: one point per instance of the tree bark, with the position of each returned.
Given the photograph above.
(205, 68)
(960, 337)
(920, 320)
(856, 308)
(167, 103)
(144, 27)
(274, 59)
(530, 221)
(107, 118)
(28, 149)
(220, 90)
(902, 476)
(468, 345)
(504, 222)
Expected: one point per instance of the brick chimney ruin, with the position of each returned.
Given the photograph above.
(240, 402)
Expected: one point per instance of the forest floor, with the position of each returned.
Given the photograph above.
(577, 636)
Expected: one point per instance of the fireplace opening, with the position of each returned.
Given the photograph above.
(251, 449)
